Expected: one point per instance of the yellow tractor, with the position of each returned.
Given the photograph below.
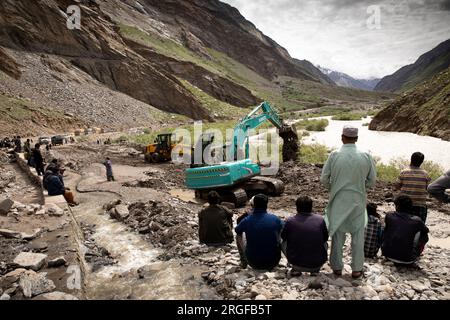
(161, 150)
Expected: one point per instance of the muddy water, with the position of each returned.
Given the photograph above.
(156, 279)
(383, 144)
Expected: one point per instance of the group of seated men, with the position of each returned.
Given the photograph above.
(262, 237)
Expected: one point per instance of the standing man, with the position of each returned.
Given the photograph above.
(109, 172)
(38, 159)
(413, 182)
(347, 174)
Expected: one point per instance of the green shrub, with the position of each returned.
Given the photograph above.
(390, 172)
(313, 153)
(313, 125)
(349, 116)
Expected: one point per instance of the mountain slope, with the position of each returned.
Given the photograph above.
(344, 80)
(428, 65)
(423, 110)
(201, 25)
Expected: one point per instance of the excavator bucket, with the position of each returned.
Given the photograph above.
(290, 142)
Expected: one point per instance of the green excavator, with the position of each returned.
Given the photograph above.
(240, 178)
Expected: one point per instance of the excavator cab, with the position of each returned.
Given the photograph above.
(161, 150)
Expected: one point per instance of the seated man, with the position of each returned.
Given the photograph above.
(55, 186)
(373, 233)
(261, 248)
(437, 188)
(405, 235)
(305, 238)
(215, 224)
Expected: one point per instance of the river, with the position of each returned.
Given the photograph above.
(383, 144)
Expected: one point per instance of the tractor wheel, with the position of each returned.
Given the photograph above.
(148, 158)
(156, 157)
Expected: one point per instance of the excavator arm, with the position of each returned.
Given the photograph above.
(253, 120)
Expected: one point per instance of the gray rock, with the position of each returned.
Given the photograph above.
(57, 262)
(29, 260)
(339, 282)
(11, 277)
(120, 212)
(5, 206)
(30, 236)
(53, 210)
(33, 284)
(5, 297)
(418, 286)
(55, 295)
(10, 234)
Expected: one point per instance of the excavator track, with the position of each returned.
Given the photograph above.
(274, 187)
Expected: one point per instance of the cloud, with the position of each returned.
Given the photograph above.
(335, 33)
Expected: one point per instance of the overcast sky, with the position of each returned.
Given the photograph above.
(336, 33)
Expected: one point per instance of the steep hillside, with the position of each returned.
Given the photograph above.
(428, 65)
(344, 80)
(423, 110)
(148, 63)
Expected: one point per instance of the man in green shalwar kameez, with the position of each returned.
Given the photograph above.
(347, 174)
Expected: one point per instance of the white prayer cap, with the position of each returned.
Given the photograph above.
(350, 131)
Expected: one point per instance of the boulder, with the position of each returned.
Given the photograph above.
(120, 212)
(5, 297)
(31, 236)
(5, 206)
(30, 260)
(53, 210)
(10, 234)
(11, 277)
(33, 284)
(55, 295)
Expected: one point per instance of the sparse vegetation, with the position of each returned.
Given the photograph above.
(313, 153)
(389, 172)
(313, 124)
(349, 116)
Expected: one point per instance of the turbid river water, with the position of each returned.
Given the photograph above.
(385, 145)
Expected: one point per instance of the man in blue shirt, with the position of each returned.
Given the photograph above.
(261, 246)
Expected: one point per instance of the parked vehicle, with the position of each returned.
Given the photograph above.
(44, 140)
(58, 140)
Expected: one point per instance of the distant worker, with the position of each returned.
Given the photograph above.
(215, 223)
(305, 237)
(347, 174)
(405, 234)
(437, 188)
(109, 171)
(261, 245)
(373, 233)
(55, 186)
(27, 149)
(413, 182)
(38, 160)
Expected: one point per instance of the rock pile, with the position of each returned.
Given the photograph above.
(163, 224)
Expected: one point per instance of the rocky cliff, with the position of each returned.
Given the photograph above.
(428, 65)
(423, 110)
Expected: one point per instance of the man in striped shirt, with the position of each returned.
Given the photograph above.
(413, 182)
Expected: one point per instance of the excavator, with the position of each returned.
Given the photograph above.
(237, 180)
